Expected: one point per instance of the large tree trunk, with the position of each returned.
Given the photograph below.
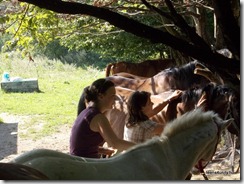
(228, 25)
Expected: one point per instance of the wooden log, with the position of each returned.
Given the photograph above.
(24, 85)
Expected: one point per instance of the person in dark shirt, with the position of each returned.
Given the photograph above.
(91, 127)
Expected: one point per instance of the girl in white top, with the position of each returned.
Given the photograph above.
(139, 127)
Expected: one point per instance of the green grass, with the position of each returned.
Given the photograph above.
(61, 86)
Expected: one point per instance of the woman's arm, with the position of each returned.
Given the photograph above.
(101, 124)
(160, 106)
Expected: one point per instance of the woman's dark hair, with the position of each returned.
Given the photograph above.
(136, 101)
(90, 93)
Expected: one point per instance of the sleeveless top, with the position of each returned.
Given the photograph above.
(140, 132)
(83, 141)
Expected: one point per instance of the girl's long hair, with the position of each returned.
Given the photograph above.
(136, 101)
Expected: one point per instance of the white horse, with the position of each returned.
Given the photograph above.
(184, 142)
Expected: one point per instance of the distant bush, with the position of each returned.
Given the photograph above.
(54, 51)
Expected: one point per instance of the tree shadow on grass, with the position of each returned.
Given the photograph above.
(8, 139)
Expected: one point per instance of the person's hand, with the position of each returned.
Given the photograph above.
(106, 151)
(174, 95)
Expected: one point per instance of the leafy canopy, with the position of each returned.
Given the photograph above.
(31, 26)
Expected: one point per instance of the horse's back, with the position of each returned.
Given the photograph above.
(126, 82)
(119, 167)
(129, 75)
(147, 68)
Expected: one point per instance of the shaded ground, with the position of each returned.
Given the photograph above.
(11, 145)
(8, 140)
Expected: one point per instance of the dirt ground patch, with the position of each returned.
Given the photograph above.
(14, 144)
(11, 145)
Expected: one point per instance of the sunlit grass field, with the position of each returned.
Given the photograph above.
(60, 85)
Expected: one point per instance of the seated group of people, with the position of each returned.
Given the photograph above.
(92, 129)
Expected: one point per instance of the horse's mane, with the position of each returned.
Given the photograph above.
(184, 72)
(186, 121)
(188, 67)
(191, 94)
(211, 89)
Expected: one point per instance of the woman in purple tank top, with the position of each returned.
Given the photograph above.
(91, 127)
